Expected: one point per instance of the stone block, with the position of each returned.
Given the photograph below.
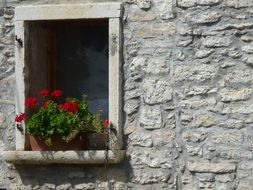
(149, 157)
(144, 4)
(156, 30)
(131, 106)
(215, 42)
(205, 120)
(200, 54)
(138, 15)
(141, 137)
(229, 138)
(232, 124)
(146, 176)
(156, 91)
(196, 72)
(210, 167)
(163, 137)
(194, 136)
(151, 117)
(228, 95)
(238, 3)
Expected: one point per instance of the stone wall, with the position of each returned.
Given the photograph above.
(188, 78)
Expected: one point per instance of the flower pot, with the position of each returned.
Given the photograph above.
(97, 141)
(80, 142)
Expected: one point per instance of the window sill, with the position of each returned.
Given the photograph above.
(63, 157)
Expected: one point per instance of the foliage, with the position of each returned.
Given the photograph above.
(66, 119)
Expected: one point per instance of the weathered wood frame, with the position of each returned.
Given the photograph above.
(112, 11)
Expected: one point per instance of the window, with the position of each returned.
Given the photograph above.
(76, 48)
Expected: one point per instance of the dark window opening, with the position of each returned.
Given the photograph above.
(71, 56)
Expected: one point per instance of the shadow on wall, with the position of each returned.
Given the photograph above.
(74, 176)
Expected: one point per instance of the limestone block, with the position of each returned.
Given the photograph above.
(199, 90)
(144, 4)
(193, 150)
(203, 17)
(234, 153)
(64, 186)
(200, 54)
(156, 30)
(186, 3)
(238, 25)
(206, 167)
(150, 175)
(248, 60)
(85, 186)
(2, 120)
(214, 42)
(238, 3)
(150, 158)
(141, 137)
(195, 103)
(131, 106)
(229, 138)
(232, 124)
(156, 66)
(205, 120)
(205, 177)
(228, 95)
(197, 72)
(194, 136)
(131, 94)
(163, 137)
(224, 178)
(239, 76)
(156, 91)
(245, 184)
(192, 3)
(151, 117)
(185, 118)
(165, 9)
(248, 48)
(242, 108)
(247, 38)
(209, 2)
(139, 15)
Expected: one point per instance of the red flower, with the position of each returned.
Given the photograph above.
(44, 104)
(106, 122)
(44, 92)
(20, 117)
(31, 102)
(56, 93)
(69, 106)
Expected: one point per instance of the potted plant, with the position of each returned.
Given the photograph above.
(56, 125)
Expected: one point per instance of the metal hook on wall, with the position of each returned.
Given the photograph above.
(20, 42)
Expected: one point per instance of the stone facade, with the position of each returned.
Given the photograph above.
(187, 101)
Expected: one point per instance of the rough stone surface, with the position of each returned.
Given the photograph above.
(211, 167)
(187, 100)
(156, 91)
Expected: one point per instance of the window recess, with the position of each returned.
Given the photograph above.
(75, 48)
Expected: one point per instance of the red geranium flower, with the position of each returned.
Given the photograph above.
(69, 106)
(44, 104)
(31, 102)
(105, 122)
(44, 92)
(20, 117)
(56, 93)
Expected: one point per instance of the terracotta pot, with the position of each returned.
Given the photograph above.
(80, 142)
